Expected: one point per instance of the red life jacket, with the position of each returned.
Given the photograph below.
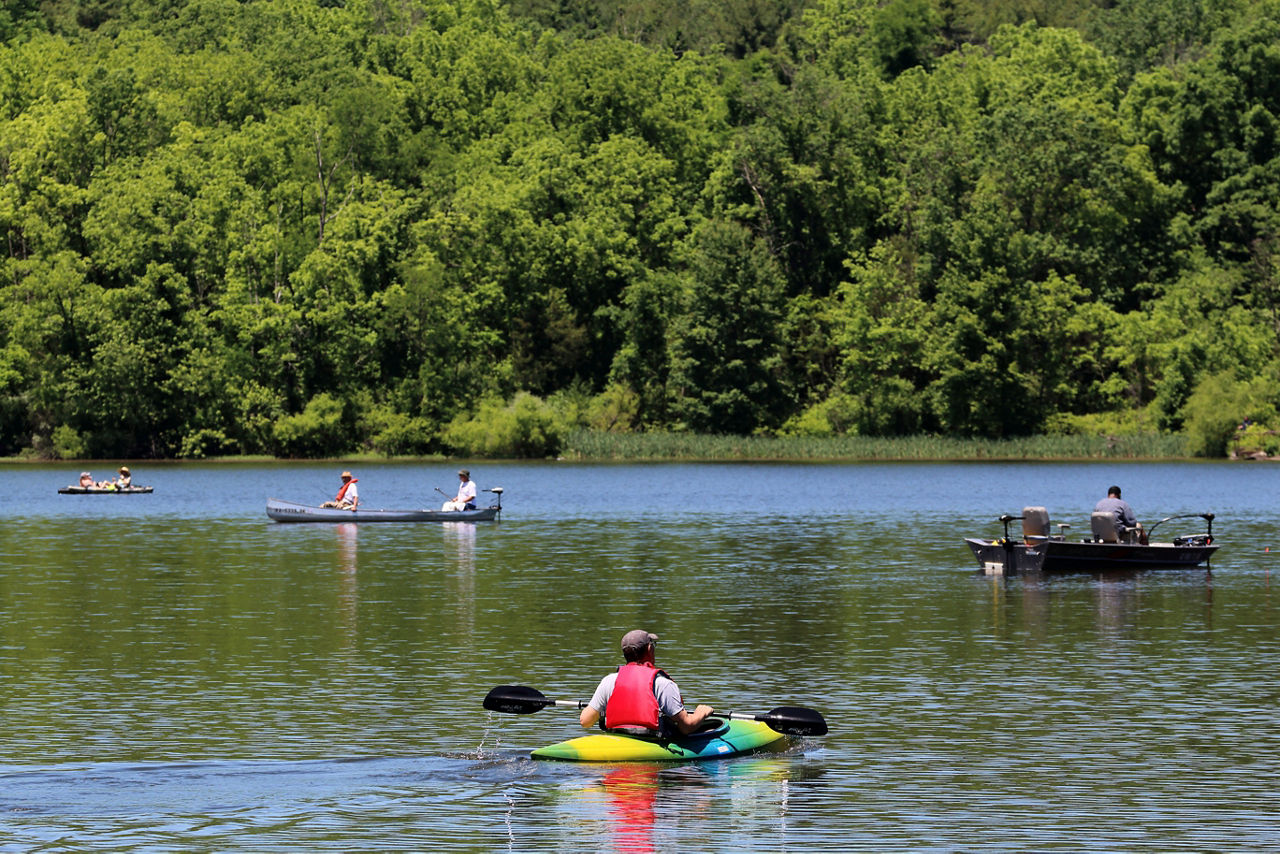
(633, 702)
(343, 491)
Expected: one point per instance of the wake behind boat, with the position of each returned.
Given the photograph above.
(292, 511)
(1041, 551)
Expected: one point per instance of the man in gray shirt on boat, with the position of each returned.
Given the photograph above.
(1120, 508)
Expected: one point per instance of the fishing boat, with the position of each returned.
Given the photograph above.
(720, 740)
(1109, 547)
(724, 735)
(97, 490)
(292, 511)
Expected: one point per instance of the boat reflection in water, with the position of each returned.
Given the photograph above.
(1108, 547)
(348, 583)
(652, 807)
(632, 793)
(458, 542)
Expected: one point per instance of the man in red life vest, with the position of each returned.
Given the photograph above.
(348, 497)
(639, 698)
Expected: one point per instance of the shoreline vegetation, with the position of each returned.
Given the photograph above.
(588, 445)
(602, 446)
(314, 228)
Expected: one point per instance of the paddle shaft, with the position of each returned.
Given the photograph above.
(521, 700)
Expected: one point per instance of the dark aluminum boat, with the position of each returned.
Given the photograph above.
(291, 511)
(1110, 547)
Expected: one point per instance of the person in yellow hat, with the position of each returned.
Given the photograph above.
(125, 480)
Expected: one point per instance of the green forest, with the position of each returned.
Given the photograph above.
(311, 228)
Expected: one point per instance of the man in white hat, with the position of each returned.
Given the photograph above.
(639, 698)
(466, 497)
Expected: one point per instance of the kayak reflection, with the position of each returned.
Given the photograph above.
(632, 792)
(646, 807)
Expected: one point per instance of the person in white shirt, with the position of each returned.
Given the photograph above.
(466, 497)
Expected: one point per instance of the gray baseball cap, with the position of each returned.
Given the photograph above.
(638, 639)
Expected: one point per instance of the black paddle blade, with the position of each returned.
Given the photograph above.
(795, 720)
(516, 700)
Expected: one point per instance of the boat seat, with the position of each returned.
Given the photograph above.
(1106, 528)
(1035, 523)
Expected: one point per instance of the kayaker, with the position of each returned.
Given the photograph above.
(348, 497)
(86, 480)
(1125, 517)
(639, 698)
(466, 497)
(125, 480)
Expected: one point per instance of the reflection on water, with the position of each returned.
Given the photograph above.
(459, 542)
(631, 793)
(645, 807)
(348, 583)
(185, 670)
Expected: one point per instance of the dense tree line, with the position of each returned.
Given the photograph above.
(309, 227)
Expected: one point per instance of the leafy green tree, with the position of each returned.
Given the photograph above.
(1221, 402)
(802, 169)
(525, 427)
(322, 429)
(907, 34)
(1213, 131)
(725, 353)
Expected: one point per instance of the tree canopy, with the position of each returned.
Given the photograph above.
(310, 227)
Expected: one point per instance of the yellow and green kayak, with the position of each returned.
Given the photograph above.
(729, 738)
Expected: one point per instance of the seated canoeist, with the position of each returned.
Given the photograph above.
(125, 480)
(639, 698)
(348, 497)
(466, 497)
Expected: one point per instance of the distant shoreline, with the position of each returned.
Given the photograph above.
(599, 446)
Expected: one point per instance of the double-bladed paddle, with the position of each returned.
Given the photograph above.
(522, 700)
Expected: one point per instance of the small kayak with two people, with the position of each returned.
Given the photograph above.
(121, 484)
(346, 507)
(644, 718)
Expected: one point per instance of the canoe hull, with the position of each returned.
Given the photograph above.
(93, 490)
(997, 556)
(733, 738)
(289, 511)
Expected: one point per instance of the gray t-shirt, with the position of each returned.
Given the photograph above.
(1121, 509)
(667, 692)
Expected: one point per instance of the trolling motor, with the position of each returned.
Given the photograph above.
(1204, 539)
(497, 490)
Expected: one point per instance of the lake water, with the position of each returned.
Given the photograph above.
(179, 673)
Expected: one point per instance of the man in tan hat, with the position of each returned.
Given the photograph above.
(348, 497)
(639, 698)
(466, 497)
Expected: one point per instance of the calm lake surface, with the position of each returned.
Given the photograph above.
(177, 672)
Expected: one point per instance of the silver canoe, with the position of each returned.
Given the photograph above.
(291, 511)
